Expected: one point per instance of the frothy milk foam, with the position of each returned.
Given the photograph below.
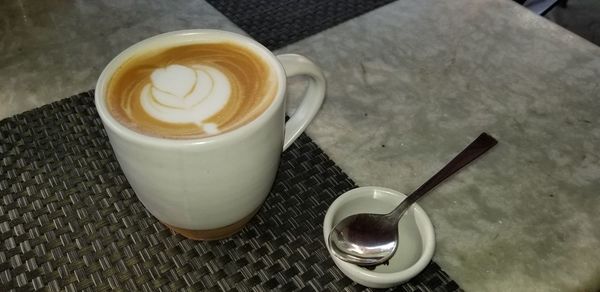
(180, 94)
(191, 91)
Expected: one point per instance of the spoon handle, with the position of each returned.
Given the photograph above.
(482, 144)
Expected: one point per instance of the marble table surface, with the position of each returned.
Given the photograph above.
(409, 85)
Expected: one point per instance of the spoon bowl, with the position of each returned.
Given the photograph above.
(366, 238)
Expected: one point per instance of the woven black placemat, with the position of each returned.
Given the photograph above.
(70, 221)
(276, 23)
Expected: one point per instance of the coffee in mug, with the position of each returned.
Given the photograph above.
(196, 120)
(191, 91)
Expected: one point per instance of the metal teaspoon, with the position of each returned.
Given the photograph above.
(370, 239)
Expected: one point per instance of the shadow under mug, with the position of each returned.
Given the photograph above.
(209, 188)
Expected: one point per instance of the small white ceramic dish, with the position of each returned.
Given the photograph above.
(415, 232)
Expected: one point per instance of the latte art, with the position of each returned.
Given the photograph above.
(180, 94)
(191, 91)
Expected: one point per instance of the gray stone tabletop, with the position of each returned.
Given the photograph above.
(409, 85)
(412, 83)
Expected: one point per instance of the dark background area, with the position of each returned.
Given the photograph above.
(582, 17)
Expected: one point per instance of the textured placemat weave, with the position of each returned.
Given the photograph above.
(70, 221)
(276, 23)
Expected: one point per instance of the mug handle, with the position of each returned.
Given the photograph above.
(312, 100)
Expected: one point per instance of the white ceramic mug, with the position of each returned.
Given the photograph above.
(211, 187)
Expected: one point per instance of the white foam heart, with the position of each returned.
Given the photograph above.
(209, 93)
(175, 80)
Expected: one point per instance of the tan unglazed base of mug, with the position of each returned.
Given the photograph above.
(212, 234)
